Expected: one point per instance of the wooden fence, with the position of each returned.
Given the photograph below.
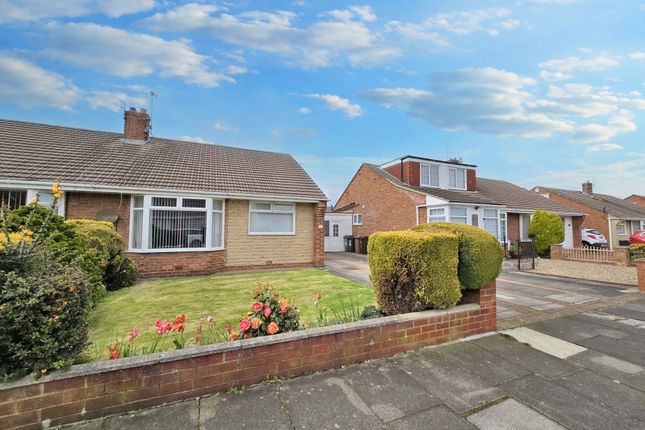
(589, 254)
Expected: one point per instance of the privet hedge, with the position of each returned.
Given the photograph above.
(413, 271)
(546, 229)
(480, 254)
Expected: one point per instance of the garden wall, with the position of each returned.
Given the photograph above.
(99, 389)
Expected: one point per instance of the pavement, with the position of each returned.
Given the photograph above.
(578, 372)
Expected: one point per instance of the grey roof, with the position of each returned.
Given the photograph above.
(616, 207)
(488, 192)
(39, 152)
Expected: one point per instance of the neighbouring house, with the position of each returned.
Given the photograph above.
(414, 190)
(181, 207)
(637, 199)
(616, 218)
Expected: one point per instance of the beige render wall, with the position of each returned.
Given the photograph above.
(243, 250)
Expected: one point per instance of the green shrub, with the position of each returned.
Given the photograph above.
(412, 271)
(371, 312)
(480, 254)
(44, 319)
(122, 273)
(637, 251)
(546, 229)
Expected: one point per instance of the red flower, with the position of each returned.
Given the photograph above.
(245, 324)
(318, 296)
(229, 328)
(267, 312)
(199, 328)
(255, 323)
(114, 354)
(178, 323)
(133, 333)
(272, 328)
(256, 306)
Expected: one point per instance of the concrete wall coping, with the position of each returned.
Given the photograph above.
(81, 370)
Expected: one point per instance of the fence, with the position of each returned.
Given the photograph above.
(589, 254)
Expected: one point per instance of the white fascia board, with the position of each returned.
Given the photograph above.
(167, 192)
(530, 211)
(421, 160)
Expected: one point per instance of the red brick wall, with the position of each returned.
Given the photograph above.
(639, 200)
(88, 205)
(411, 172)
(319, 234)
(640, 275)
(513, 227)
(179, 263)
(423, 215)
(384, 206)
(172, 376)
(471, 180)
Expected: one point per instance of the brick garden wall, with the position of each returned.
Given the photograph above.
(179, 263)
(112, 387)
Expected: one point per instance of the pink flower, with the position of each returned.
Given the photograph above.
(162, 326)
(267, 312)
(272, 328)
(256, 306)
(245, 324)
(255, 323)
(210, 319)
(133, 333)
(199, 328)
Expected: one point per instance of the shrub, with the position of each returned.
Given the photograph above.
(546, 229)
(44, 319)
(637, 251)
(371, 312)
(270, 314)
(480, 254)
(412, 271)
(122, 273)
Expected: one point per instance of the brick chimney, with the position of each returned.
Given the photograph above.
(137, 125)
(587, 187)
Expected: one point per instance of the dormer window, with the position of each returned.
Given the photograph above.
(429, 175)
(457, 178)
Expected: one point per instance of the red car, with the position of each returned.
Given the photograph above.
(638, 237)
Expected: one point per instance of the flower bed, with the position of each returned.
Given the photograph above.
(99, 389)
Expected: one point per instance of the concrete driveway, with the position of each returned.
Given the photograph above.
(522, 297)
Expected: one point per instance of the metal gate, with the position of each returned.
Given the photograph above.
(526, 255)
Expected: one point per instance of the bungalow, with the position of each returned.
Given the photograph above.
(637, 199)
(616, 218)
(413, 190)
(181, 207)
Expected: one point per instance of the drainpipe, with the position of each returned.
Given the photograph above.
(611, 242)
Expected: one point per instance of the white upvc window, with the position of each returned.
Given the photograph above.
(174, 223)
(621, 228)
(437, 215)
(13, 199)
(491, 221)
(502, 227)
(429, 175)
(636, 225)
(272, 218)
(457, 178)
(357, 219)
(459, 215)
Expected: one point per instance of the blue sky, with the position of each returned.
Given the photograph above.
(542, 92)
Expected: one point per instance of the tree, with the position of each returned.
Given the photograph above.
(546, 229)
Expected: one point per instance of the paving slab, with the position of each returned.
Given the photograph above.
(255, 408)
(325, 401)
(575, 330)
(388, 390)
(610, 321)
(437, 418)
(524, 356)
(630, 310)
(565, 406)
(456, 387)
(545, 343)
(630, 348)
(482, 363)
(182, 415)
(512, 415)
(570, 297)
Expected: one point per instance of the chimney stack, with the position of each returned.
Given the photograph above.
(587, 187)
(137, 125)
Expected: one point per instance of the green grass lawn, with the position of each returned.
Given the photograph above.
(226, 297)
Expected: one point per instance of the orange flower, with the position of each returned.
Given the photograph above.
(282, 303)
(114, 354)
(318, 296)
(255, 323)
(272, 328)
(233, 336)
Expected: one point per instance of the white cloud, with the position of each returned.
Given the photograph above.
(364, 13)
(340, 35)
(296, 132)
(570, 64)
(637, 55)
(32, 10)
(334, 102)
(126, 54)
(554, 76)
(224, 127)
(114, 101)
(603, 147)
(28, 85)
(235, 70)
(195, 139)
(304, 110)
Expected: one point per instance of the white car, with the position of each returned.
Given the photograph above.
(593, 238)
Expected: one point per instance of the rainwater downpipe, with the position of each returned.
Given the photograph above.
(611, 242)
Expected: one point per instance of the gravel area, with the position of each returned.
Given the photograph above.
(582, 270)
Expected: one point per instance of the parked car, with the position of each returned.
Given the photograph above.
(638, 237)
(593, 238)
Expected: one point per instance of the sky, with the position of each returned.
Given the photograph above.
(537, 92)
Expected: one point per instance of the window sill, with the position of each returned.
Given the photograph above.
(172, 250)
(272, 234)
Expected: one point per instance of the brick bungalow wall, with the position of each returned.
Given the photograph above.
(639, 200)
(243, 251)
(112, 387)
(513, 227)
(384, 206)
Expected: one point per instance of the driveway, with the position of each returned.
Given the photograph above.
(522, 297)
(578, 372)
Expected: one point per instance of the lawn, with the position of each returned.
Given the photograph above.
(226, 297)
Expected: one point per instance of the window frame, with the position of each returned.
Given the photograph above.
(355, 217)
(638, 224)
(272, 210)
(439, 218)
(496, 218)
(621, 225)
(147, 207)
(464, 217)
(429, 183)
(463, 173)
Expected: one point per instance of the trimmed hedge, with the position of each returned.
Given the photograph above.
(480, 253)
(546, 229)
(413, 271)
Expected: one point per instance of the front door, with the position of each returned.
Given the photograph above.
(335, 239)
(568, 232)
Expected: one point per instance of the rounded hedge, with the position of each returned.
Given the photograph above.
(413, 271)
(546, 229)
(480, 253)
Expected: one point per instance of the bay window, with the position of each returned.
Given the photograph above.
(272, 218)
(459, 215)
(491, 222)
(437, 215)
(163, 223)
(13, 199)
